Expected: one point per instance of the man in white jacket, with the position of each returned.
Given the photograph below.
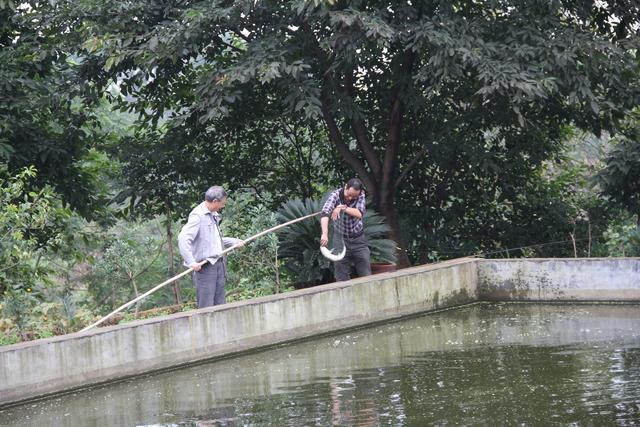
(201, 239)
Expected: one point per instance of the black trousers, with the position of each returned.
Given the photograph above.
(357, 254)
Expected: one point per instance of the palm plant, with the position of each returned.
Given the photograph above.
(300, 242)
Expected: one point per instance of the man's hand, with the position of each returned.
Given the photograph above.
(196, 266)
(336, 212)
(324, 240)
(239, 244)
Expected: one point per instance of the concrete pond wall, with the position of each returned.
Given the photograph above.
(39, 368)
(559, 279)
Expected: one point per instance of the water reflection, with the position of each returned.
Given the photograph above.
(512, 363)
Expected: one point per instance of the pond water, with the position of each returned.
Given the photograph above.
(528, 364)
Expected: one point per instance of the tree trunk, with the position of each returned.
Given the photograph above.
(277, 271)
(174, 285)
(589, 232)
(135, 290)
(388, 209)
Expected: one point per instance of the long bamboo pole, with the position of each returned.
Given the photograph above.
(184, 273)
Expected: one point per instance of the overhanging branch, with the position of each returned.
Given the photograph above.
(409, 166)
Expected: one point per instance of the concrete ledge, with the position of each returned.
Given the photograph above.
(559, 279)
(41, 367)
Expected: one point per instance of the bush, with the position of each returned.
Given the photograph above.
(31, 223)
(253, 270)
(132, 259)
(622, 240)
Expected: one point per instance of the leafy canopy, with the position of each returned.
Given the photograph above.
(407, 91)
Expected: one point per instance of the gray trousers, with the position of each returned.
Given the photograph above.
(357, 255)
(209, 282)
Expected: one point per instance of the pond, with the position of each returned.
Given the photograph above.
(513, 363)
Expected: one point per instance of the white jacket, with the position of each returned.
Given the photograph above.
(200, 237)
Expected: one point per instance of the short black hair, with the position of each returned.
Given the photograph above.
(355, 183)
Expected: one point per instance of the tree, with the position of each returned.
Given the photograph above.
(31, 222)
(43, 122)
(158, 174)
(389, 79)
(619, 180)
(255, 268)
(128, 264)
(123, 264)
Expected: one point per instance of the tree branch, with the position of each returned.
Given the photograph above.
(239, 34)
(334, 132)
(232, 47)
(409, 166)
(395, 127)
(158, 253)
(347, 155)
(360, 130)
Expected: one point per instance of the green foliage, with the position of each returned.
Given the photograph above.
(279, 158)
(622, 239)
(529, 202)
(161, 174)
(33, 225)
(383, 250)
(17, 305)
(30, 223)
(9, 338)
(254, 269)
(42, 121)
(284, 49)
(455, 114)
(59, 317)
(27, 317)
(131, 260)
(300, 242)
(619, 180)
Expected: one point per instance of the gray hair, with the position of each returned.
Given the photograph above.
(215, 193)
